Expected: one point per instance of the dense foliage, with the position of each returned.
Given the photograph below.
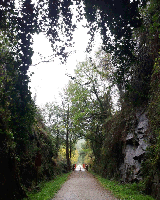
(131, 40)
(23, 135)
(134, 68)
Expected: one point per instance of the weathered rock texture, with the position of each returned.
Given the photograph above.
(134, 149)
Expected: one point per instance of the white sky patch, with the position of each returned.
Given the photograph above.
(50, 78)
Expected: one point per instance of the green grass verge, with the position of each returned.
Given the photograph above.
(123, 191)
(48, 190)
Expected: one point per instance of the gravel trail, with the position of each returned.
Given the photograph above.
(82, 185)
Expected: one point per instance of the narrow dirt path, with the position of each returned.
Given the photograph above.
(83, 186)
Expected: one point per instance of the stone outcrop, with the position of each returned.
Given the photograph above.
(134, 149)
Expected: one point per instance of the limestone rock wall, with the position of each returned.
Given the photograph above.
(134, 149)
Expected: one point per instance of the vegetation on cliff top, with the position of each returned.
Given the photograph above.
(129, 61)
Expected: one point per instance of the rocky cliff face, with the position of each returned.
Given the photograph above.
(134, 149)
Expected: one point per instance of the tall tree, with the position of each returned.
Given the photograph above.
(67, 140)
(90, 103)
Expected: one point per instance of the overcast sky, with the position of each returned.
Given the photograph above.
(49, 78)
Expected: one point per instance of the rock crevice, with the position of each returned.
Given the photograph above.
(134, 149)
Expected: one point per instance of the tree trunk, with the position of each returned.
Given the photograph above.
(70, 148)
(67, 142)
(57, 143)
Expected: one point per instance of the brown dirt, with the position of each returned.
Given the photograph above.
(82, 185)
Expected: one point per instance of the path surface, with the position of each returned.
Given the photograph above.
(82, 185)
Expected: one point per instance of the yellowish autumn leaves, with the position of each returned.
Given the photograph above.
(74, 155)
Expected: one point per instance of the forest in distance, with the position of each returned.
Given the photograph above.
(122, 137)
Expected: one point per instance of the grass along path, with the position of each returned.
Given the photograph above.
(123, 191)
(48, 189)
